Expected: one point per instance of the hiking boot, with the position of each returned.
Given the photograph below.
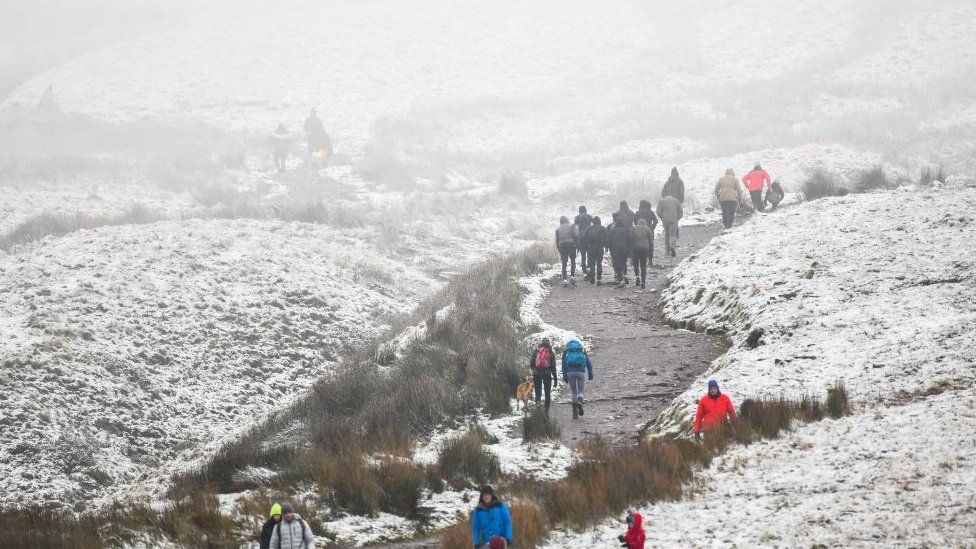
(579, 406)
(674, 253)
(572, 281)
(565, 281)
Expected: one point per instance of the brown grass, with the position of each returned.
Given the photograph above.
(463, 462)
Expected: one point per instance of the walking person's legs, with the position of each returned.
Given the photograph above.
(584, 266)
(537, 386)
(547, 384)
(728, 212)
(577, 385)
(757, 200)
(572, 257)
(563, 258)
(596, 265)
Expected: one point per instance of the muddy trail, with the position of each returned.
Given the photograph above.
(640, 363)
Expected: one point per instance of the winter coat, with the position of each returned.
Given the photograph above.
(583, 222)
(266, 532)
(625, 217)
(489, 521)
(634, 538)
(292, 535)
(669, 210)
(620, 238)
(756, 179)
(549, 368)
(579, 366)
(674, 186)
(712, 412)
(647, 214)
(641, 237)
(596, 238)
(566, 234)
(280, 141)
(727, 189)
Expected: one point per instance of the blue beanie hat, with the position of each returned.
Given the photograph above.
(713, 383)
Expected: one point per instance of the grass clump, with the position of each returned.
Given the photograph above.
(464, 462)
(537, 425)
(821, 183)
(871, 179)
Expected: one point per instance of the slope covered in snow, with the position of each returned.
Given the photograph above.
(873, 290)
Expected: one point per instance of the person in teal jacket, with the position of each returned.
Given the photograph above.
(577, 369)
(490, 519)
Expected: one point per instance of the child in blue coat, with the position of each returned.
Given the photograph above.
(490, 519)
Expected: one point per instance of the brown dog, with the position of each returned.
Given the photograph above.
(523, 393)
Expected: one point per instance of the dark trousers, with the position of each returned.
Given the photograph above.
(619, 260)
(670, 235)
(757, 200)
(728, 212)
(595, 264)
(583, 259)
(567, 252)
(639, 260)
(542, 380)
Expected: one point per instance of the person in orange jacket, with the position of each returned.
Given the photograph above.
(634, 538)
(755, 181)
(713, 409)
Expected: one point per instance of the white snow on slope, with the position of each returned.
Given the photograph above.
(875, 290)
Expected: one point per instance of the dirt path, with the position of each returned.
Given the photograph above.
(640, 363)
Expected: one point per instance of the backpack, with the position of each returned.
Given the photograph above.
(543, 358)
(575, 360)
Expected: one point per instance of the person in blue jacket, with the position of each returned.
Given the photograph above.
(577, 369)
(490, 519)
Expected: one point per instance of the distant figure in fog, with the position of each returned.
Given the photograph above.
(728, 193)
(280, 141)
(669, 210)
(641, 250)
(47, 99)
(594, 243)
(619, 244)
(583, 221)
(714, 409)
(674, 186)
(755, 181)
(625, 214)
(318, 140)
(567, 241)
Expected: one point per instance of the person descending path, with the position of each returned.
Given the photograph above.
(641, 249)
(490, 520)
(645, 212)
(567, 240)
(674, 186)
(319, 142)
(714, 409)
(634, 538)
(577, 369)
(543, 368)
(595, 241)
(619, 243)
(728, 193)
(269, 526)
(625, 214)
(280, 141)
(292, 532)
(669, 210)
(755, 181)
(582, 222)
(776, 194)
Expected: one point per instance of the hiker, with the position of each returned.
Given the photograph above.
(728, 193)
(280, 141)
(269, 526)
(776, 194)
(674, 186)
(543, 368)
(577, 368)
(47, 100)
(490, 520)
(641, 250)
(634, 538)
(318, 140)
(619, 243)
(567, 240)
(669, 210)
(582, 222)
(645, 212)
(755, 181)
(594, 243)
(713, 410)
(292, 532)
(626, 214)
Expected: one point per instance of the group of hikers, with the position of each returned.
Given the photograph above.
(318, 140)
(629, 236)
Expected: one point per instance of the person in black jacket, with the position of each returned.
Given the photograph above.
(269, 526)
(620, 248)
(674, 186)
(645, 212)
(543, 368)
(583, 221)
(594, 242)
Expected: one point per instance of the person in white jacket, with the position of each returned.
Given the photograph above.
(292, 532)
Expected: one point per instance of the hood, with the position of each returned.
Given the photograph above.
(644, 205)
(563, 220)
(730, 171)
(638, 521)
(596, 220)
(624, 207)
(674, 173)
(574, 346)
(582, 209)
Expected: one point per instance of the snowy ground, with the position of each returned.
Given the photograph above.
(876, 292)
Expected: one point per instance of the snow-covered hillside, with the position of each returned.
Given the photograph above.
(873, 290)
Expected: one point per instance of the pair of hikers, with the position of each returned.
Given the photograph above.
(576, 371)
(729, 193)
(286, 529)
(319, 142)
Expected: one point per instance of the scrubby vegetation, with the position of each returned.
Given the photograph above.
(821, 183)
(537, 425)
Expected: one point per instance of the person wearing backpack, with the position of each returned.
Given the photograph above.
(269, 525)
(619, 244)
(641, 250)
(292, 532)
(594, 243)
(577, 369)
(567, 241)
(670, 212)
(583, 221)
(543, 368)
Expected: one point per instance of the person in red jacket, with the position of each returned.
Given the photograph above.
(713, 409)
(755, 181)
(634, 538)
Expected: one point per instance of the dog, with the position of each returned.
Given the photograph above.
(523, 394)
